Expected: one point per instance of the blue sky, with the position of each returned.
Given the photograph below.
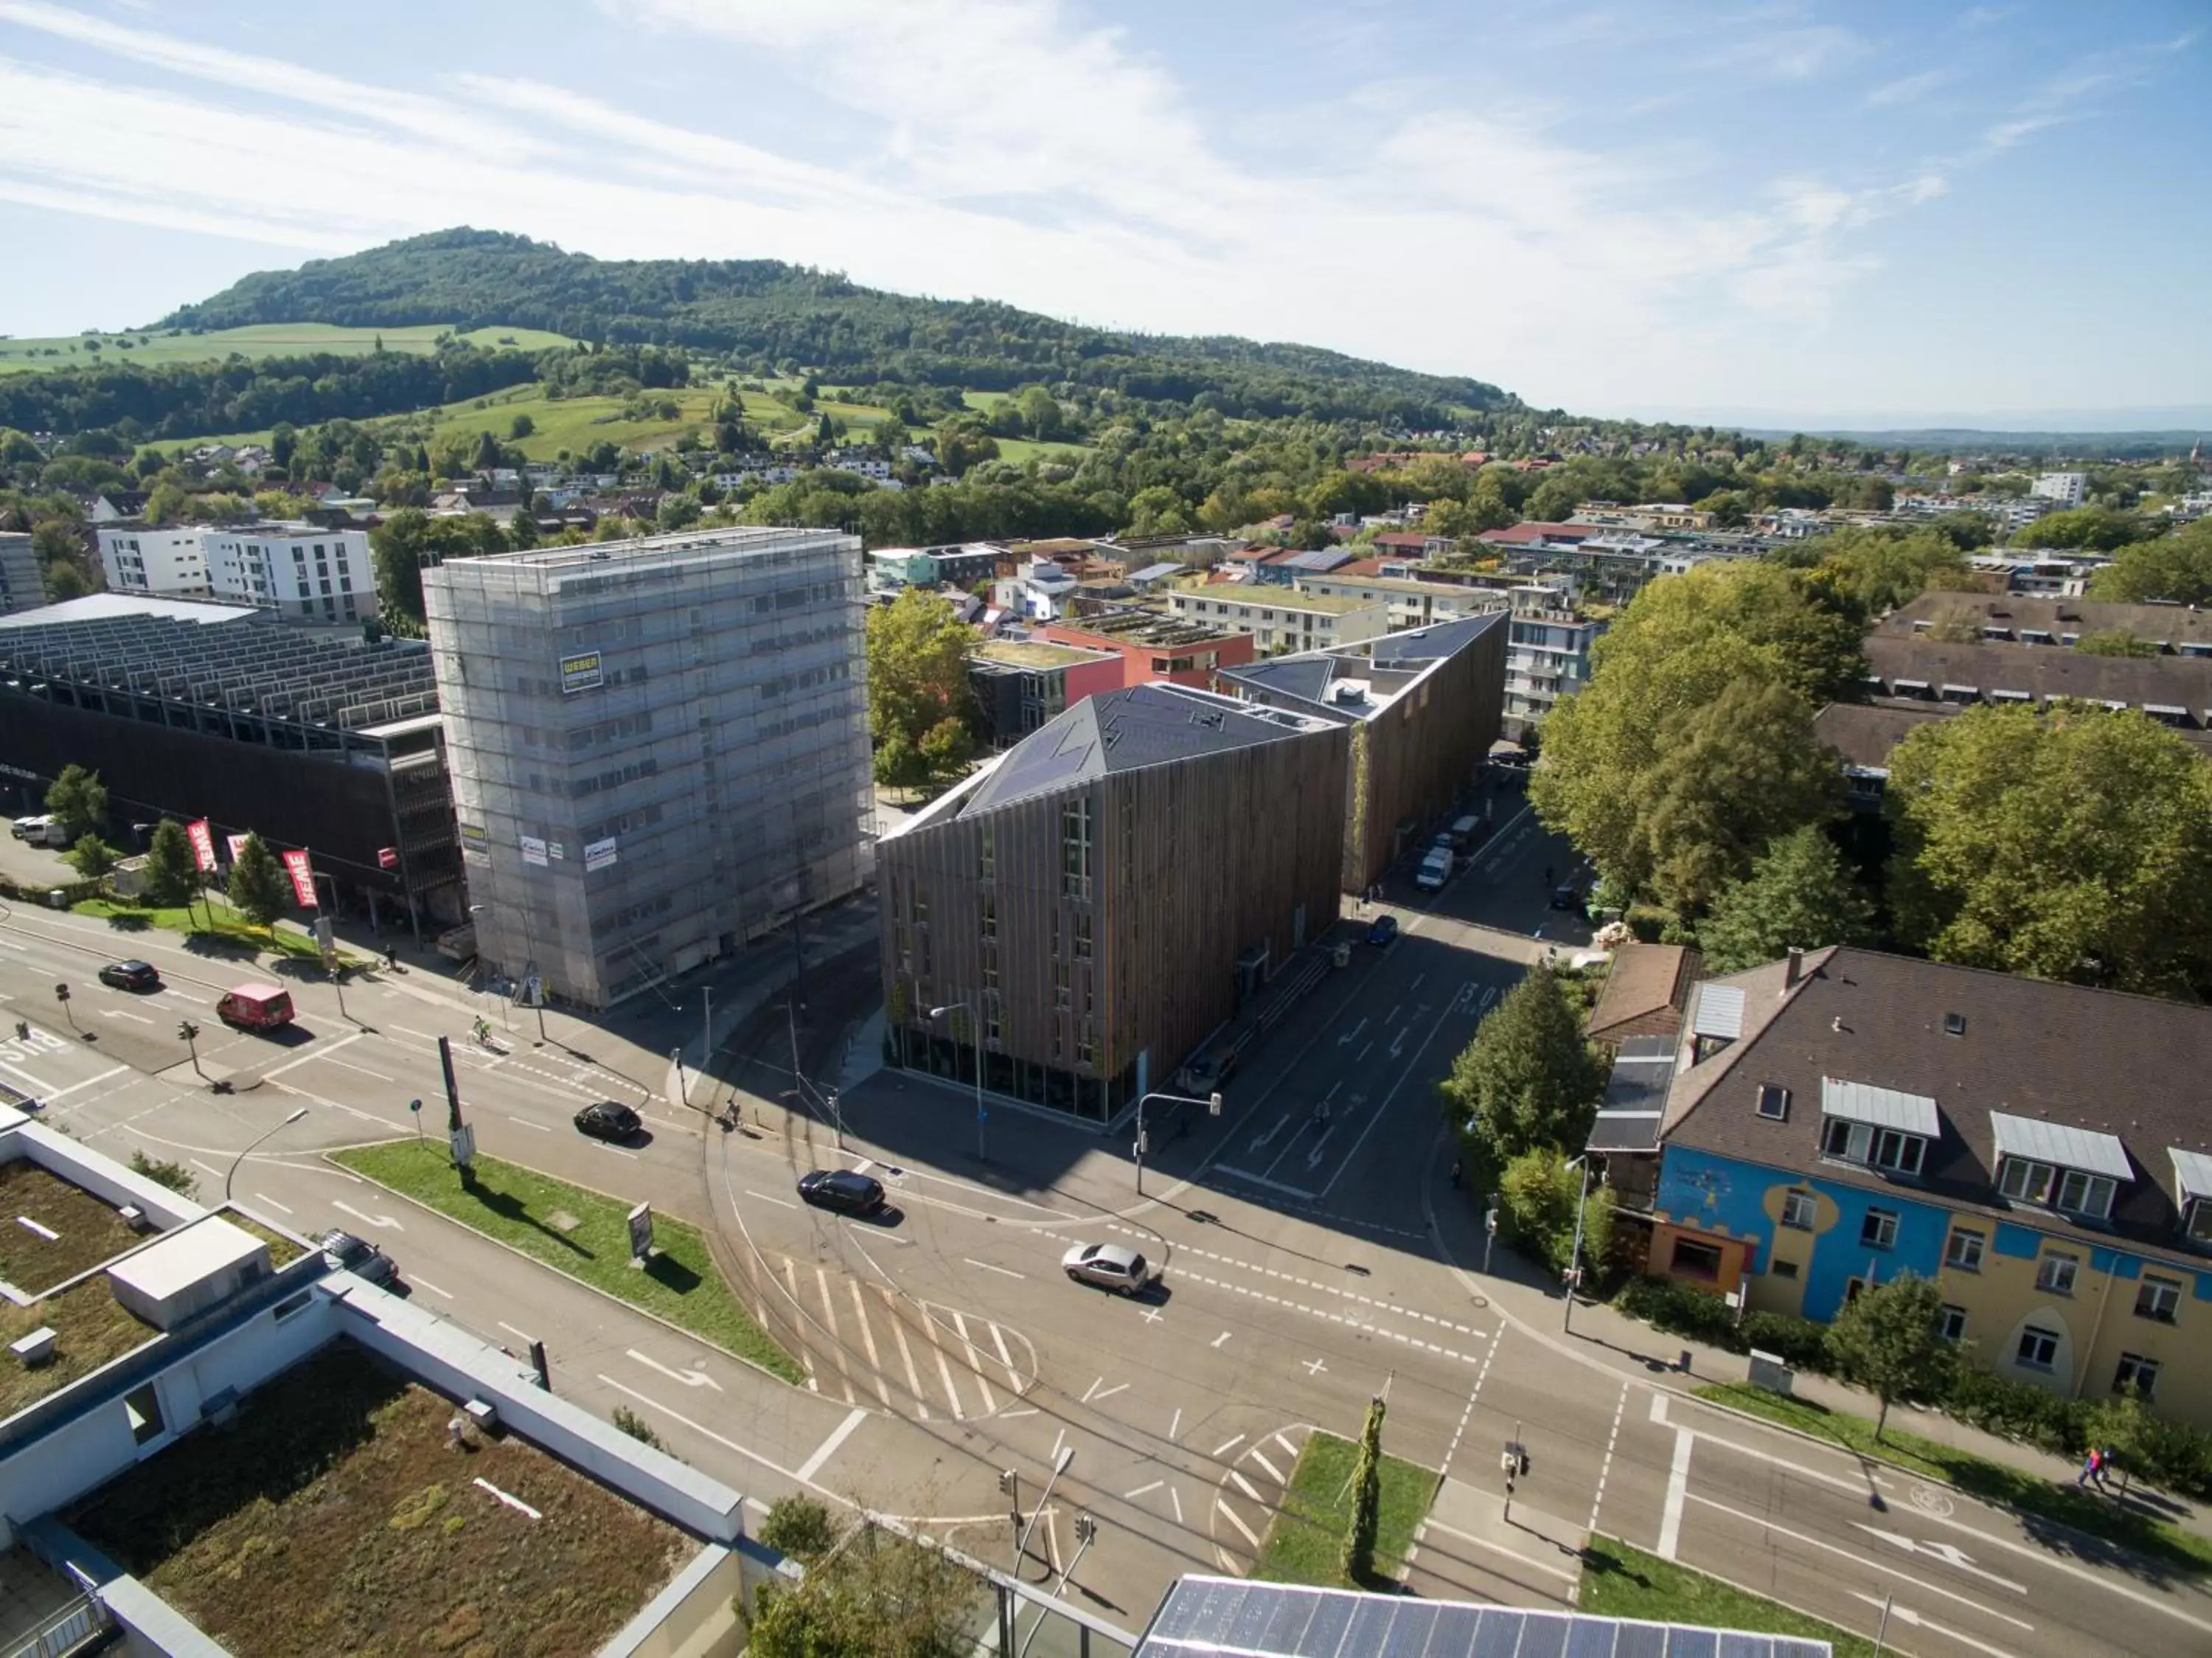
(1709, 210)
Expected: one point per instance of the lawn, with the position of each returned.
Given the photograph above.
(584, 1234)
(90, 1328)
(263, 340)
(574, 423)
(87, 1231)
(1620, 1581)
(1022, 449)
(1994, 1482)
(332, 1517)
(1303, 1543)
(229, 926)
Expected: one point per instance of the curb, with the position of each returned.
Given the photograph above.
(523, 1255)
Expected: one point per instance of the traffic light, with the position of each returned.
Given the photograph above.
(1007, 1478)
(61, 992)
(187, 1031)
(1086, 1528)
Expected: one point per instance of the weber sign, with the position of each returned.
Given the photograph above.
(581, 672)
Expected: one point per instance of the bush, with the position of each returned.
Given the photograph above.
(1681, 1311)
(2018, 1410)
(1537, 1196)
(175, 1176)
(1799, 1343)
(636, 1427)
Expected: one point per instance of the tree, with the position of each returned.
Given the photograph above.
(1876, 571)
(1537, 1194)
(1040, 412)
(1798, 892)
(2066, 842)
(521, 426)
(1529, 1080)
(2176, 568)
(67, 581)
(172, 870)
(2114, 642)
(917, 667)
(79, 799)
(2124, 1428)
(945, 748)
(878, 1593)
(899, 763)
(175, 1176)
(91, 857)
(799, 1526)
(1888, 1341)
(1358, 1562)
(259, 886)
(2092, 529)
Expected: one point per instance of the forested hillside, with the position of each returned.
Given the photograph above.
(773, 314)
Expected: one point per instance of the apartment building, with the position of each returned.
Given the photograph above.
(2064, 491)
(660, 747)
(1279, 619)
(1844, 1117)
(1423, 708)
(1152, 647)
(21, 586)
(1548, 656)
(1022, 685)
(302, 572)
(1081, 914)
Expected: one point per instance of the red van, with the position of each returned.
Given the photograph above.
(255, 1007)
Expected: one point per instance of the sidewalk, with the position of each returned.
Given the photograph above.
(1602, 1337)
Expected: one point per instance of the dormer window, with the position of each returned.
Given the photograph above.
(1879, 1127)
(2055, 1166)
(2193, 1183)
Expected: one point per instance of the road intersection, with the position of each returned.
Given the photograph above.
(1309, 1265)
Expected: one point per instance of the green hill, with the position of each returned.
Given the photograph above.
(774, 314)
(144, 349)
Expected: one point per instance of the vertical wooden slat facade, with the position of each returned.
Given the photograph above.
(1193, 861)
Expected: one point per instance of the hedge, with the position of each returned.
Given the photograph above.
(1997, 1405)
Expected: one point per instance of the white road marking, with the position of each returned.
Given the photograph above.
(309, 1057)
(868, 1337)
(410, 1031)
(1864, 1560)
(780, 1203)
(424, 1283)
(1544, 1566)
(1142, 1491)
(1219, 1340)
(975, 1362)
(1118, 1388)
(828, 1447)
(708, 1433)
(1004, 1271)
(263, 1197)
(1678, 1487)
(1230, 1515)
(1095, 1384)
(1907, 1616)
(523, 1335)
(210, 1168)
(1949, 1554)
(1228, 1445)
(120, 1013)
(523, 1121)
(1175, 1497)
(694, 1378)
(1259, 1457)
(64, 1093)
(38, 1084)
(384, 1220)
(346, 1064)
(1247, 1486)
(618, 1150)
(944, 1374)
(1013, 1376)
(1174, 1426)
(906, 1358)
(837, 1336)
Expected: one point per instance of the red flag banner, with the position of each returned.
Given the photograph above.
(202, 839)
(387, 857)
(237, 845)
(303, 877)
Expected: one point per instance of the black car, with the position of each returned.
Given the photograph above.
(608, 1119)
(846, 1191)
(131, 976)
(1571, 899)
(359, 1257)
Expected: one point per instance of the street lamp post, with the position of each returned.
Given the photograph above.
(1022, 1543)
(1574, 1256)
(231, 1174)
(1211, 1102)
(982, 1138)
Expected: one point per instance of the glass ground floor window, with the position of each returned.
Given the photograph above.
(1054, 1086)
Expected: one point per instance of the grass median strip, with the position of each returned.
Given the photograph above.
(1620, 1581)
(583, 1233)
(192, 921)
(1995, 1482)
(1306, 1542)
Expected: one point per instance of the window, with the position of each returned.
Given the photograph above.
(1083, 936)
(1853, 1289)
(1799, 1210)
(990, 967)
(1773, 1101)
(2136, 1371)
(1965, 1251)
(1862, 1143)
(1951, 1323)
(142, 1405)
(2038, 1349)
(2055, 1273)
(2159, 1299)
(990, 853)
(921, 907)
(1879, 1229)
(1075, 849)
(989, 918)
(2070, 1189)
(2199, 1224)
(1784, 1269)
(1694, 1260)
(1060, 984)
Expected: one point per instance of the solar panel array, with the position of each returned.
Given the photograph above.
(1234, 1619)
(246, 667)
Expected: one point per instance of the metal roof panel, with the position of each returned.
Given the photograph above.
(2061, 1143)
(1862, 1102)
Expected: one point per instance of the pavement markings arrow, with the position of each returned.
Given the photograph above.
(1949, 1554)
(688, 1378)
(1907, 1616)
(384, 1220)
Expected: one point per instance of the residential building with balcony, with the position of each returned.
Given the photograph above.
(1548, 656)
(1089, 907)
(1279, 619)
(1843, 1117)
(1153, 646)
(304, 572)
(1022, 684)
(2064, 491)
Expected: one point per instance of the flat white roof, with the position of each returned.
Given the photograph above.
(2061, 1143)
(190, 1255)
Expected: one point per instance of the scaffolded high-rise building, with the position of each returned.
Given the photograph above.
(659, 748)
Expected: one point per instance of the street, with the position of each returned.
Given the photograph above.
(1315, 1254)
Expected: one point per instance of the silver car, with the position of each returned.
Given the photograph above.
(1109, 1266)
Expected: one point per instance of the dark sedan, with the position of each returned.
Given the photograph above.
(608, 1119)
(359, 1257)
(131, 976)
(1382, 930)
(844, 1190)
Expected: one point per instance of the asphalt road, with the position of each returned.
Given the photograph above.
(945, 1346)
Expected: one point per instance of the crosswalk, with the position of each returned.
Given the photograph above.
(917, 1358)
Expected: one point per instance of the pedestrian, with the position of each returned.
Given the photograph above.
(2103, 1469)
(391, 957)
(1454, 1175)
(2093, 1468)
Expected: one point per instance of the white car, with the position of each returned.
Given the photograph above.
(1109, 1266)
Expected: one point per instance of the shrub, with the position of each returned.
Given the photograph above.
(1681, 1311)
(1799, 1343)
(175, 1176)
(2016, 1410)
(636, 1427)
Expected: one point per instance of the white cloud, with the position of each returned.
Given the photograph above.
(1910, 88)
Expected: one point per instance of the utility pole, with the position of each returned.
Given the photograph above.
(1575, 1258)
(188, 1033)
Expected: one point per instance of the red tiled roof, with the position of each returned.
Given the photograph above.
(1402, 539)
(1534, 530)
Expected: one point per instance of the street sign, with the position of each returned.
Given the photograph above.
(415, 1105)
(641, 1233)
(463, 1140)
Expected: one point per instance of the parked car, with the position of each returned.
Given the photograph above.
(359, 1257)
(844, 1190)
(1382, 930)
(255, 1007)
(25, 828)
(608, 1119)
(1109, 1266)
(130, 976)
(1208, 1071)
(1570, 898)
(1436, 869)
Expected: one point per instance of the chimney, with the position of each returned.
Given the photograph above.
(1796, 970)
